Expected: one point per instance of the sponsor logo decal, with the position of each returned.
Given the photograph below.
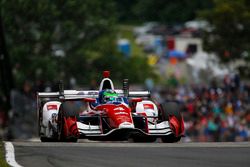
(54, 118)
(148, 106)
(119, 108)
(52, 107)
(81, 93)
(121, 113)
(92, 93)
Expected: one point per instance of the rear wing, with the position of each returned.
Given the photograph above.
(74, 94)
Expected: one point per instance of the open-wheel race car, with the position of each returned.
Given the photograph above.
(107, 114)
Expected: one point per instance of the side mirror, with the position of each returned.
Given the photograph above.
(90, 100)
(136, 100)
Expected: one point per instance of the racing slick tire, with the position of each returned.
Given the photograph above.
(168, 109)
(67, 110)
(46, 139)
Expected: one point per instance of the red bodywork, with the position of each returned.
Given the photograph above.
(176, 125)
(70, 127)
(117, 114)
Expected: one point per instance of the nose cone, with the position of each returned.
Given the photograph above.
(126, 125)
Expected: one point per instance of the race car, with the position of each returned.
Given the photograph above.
(107, 114)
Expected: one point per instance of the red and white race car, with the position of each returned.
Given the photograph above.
(107, 114)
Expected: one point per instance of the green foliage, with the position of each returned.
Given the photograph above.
(161, 10)
(229, 32)
(126, 31)
(230, 21)
(125, 11)
(52, 40)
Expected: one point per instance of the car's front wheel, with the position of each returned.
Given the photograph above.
(140, 139)
(171, 110)
(67, 128)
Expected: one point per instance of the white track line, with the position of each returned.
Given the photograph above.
(10, 155)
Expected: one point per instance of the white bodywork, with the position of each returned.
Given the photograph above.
(111, 85)
(160, 128)
(49, 118)
(126, 125)
(149, 108)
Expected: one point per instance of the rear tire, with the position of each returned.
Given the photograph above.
(67, 109)
(46, 139)
(168, 109)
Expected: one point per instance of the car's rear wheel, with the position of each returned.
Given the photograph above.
(170, 109)
(67, 110)
(46, 139)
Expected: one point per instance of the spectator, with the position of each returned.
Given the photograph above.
(216, 113)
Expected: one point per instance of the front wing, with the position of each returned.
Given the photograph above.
(154, 130)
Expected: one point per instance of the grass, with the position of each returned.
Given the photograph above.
(126, 31)
(3, 162)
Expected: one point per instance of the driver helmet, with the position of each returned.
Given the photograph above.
(107, 95)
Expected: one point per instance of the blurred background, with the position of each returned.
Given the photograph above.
(194, 52)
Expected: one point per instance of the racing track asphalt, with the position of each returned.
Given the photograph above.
(104, 154)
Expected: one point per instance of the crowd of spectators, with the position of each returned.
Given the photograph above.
(215, 111)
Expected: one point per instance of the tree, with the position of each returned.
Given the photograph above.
(167, 11)
(61, 39)
(124, 10)
(229, 32)
(6, 79)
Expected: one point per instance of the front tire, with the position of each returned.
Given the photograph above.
(170, 139)
(170, 109)
(67, 109)
(140, 139)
